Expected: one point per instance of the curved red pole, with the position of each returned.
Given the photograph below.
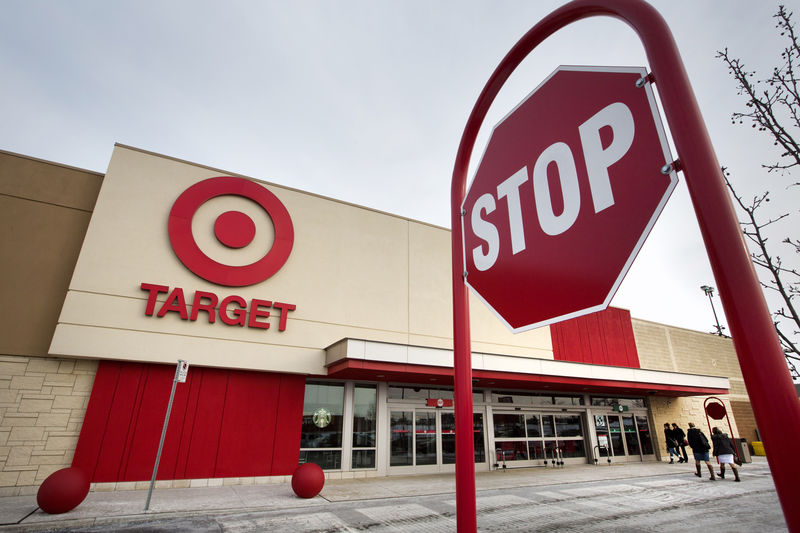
(727, 419)
(761, 359)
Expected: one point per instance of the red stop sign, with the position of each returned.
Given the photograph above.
(567, 190)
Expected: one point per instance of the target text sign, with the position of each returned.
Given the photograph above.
(233, 229)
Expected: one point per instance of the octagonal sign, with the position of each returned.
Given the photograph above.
(566, 192)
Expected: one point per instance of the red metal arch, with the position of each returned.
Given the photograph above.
(757, 346)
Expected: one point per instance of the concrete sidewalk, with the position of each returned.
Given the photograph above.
(104, 509)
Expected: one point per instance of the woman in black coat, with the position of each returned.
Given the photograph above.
(724, 452)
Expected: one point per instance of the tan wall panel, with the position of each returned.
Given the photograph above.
(430, 293)
(653, 346)
(663, 347)
(353, 272)
(745, 420)
(44, 215)
(349, 265)
(42, 181)
(106, 343)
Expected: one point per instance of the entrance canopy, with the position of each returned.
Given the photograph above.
(359, 359)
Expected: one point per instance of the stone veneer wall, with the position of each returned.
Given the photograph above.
(42, 404)
(681, 350)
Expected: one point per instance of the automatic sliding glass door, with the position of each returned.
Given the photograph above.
(625, 437)
(424, 440)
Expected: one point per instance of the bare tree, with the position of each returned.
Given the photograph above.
(773, 107)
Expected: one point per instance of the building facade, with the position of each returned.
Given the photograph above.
(315, 330)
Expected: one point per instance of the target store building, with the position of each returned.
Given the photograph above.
(315, 330)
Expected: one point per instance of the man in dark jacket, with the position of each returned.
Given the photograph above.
(699, 444)
(680, 438)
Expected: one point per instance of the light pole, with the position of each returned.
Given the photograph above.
(710, 292)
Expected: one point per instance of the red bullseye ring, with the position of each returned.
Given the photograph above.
(185, 246)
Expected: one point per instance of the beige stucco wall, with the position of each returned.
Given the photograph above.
(353, 272)
(663, 347)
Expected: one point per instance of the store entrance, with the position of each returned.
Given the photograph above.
(424, 440)
(623, 437)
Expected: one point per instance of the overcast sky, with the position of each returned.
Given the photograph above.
(362, 101)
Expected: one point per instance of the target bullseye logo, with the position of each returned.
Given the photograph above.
(233, 229)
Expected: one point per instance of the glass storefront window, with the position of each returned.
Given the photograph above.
(326, 459)
(322, 425)
(509, 425)
(548, 426)
(569, 426)
(425, 436)
(522, 399)
(363, 458)
(364, 424)
(568, 400)
(397, 392)
(448, 438)
(536, 449)
(532, 425)
(601, 401)
(364, 417)
(400, 450)
(631, 437)
(572, 448)
(511, 450)
(644, 435)
(477, 431)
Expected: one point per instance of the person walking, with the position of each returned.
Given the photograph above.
(680, 438)
(671, 444)
(724, 452)
(699, 444)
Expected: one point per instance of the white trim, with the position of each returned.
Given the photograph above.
(365, 350)
(347, 426)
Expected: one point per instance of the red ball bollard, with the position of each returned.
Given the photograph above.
(308, 480)
(63, 490)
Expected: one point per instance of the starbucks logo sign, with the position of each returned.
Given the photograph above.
(321, 417)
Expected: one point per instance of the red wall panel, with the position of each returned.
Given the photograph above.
(207, 421)
(97, 413)
(603, 338)
(182, 454)
(286, 452)
(175, 431)
(118, 425)
(148, 420)
(249, 397)
(224, 423)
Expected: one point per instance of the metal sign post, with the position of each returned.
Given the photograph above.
(769, 385)
(180, 377)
